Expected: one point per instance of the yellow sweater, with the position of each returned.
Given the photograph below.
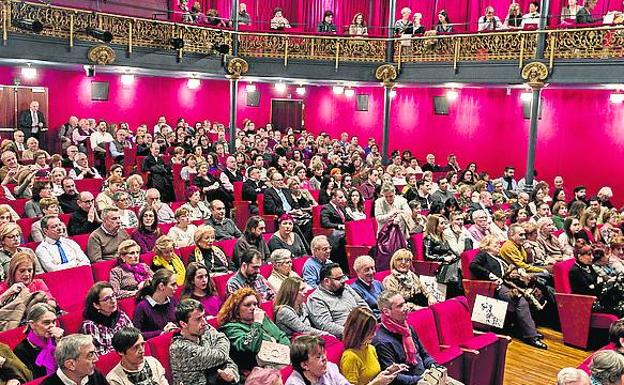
(360, 366)
(516, 256)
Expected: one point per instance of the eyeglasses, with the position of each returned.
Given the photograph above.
(339, 278)
(404, 260)
(87, 201)
(108, 298)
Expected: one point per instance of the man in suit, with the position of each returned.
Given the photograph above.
(252, 187)
(278, 201)
(32, 121)
(485, 203)
(334, 216)
(76, 358)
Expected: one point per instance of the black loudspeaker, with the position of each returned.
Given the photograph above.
(440, 105)
(526, 109)
(362, 102)
(99, 90)
(253, 99)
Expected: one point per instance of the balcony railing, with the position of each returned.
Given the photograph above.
(595, 42)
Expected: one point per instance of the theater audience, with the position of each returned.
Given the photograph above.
(56, 251)
(207, 253)
(104, 241)
(148, 231)
(366, 285)
(569, 11)
(199, 354)
(49, 206)
(86, 218)
(252, 237)
(135, 189)
(253, 186)
(584, 15)
(130, 274)
(404, 24)
(333, 300)
(10, 236)
(128, 218)
(75, 357)
(513, 251)
(159, 176)
(224, 227)
(479, 229)
(248, 275)
(327, 24)
(197, 209)
(183, 232)
(155, 310)
(134, 367)
(405, 282)
(82, 170)
(436, 249)
(199, 286)
(166, 258)
(102, 317)
(291, 311)
(246, 325)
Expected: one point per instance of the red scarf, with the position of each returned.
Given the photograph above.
(406, 334)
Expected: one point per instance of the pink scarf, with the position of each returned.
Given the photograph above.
(45, 357)
(406, 334)
(139, 271)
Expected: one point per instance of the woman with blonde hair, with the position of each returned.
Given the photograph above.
(404, 281)
(135, 190)
(115, 184)
(7, 214)
(437, 249)
(183, 232)
(10, 239)
(130, 274)
(207, 253)
(166, 258)
(282, 268)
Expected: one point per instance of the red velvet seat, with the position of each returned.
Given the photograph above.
(82, 240)
(317, 229)
(185, 254)
(26, 225)
(159, 348)
(19, 206)
(451, 357)
(220, 282)
(101, 270)
(81, 279)
(334, 352)
(584, 366)
(360, 237)
(127, 305)
(107, 362)
(12, 337)
(380, 275)
(36, 381)
(270, 221)
(71, 322)
(420, 266)
(94, 186)
(147, 258)
(473, 287)
(32, 245)
(241, 213)
(268, 309)
(238, 191)
(266, 270)
(164, 227)
(575, 311)
(484, 354)
(227, 245)
(298, 264)
(65, 218)
(315, 194)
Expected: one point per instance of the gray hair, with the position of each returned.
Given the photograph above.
(568, 376)
(68, 348)
(280, 255)
(387, 187)
(316, 240)
(513, 229)
(360, 261)
(384, 301)
(38, 310)
(607, 366)
(476, 213)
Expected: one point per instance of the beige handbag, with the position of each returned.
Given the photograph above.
(435, 375)
(273, 354)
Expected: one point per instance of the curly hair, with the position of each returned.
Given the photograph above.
(229, 310)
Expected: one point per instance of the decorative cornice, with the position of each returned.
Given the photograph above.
(536, 74)
(101, 55)
(387, 73)
(236, 68)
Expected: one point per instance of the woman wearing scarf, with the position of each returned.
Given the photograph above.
(404, 281)
(282, 268)
(102, 317)
(166, 258)
(129, 275)
(207, 253)
(36, 351)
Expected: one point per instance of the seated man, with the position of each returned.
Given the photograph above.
(225, 228)
(199, 354)
(489, 22)
(392, 338)
(370, 189)
(163, 211)
(48, 206)
(278, 200)
(82, 170)
(58, 252)
(117, 146)
(330, 304)
(480, 228)
(252, 237)
(103, 242)
(230, 174)
(320, 257)
(513, 253)
(431, 164)
(86, 219)
(390, 207)
(134, 365)
(10, 168)
(572, 376)
(68, 200)
(334, 216)
(248, 275)
(366, 285)
(75, 357)
(252, 187)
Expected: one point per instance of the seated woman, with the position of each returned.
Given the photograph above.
(327, 186)
(444, 23)
(197, 209)
(559, 214)
(611, 227)
(184, 231)
(147, 232)
(102, 317)
(286, 238)
(392, 207)
(549, 242)
(56, 179)
(281, 259)
(135, 190)
(488, 266)
(588, 278)
(20, 290)
(291, 311)
(40, 189)
(404, 281)
(155, 310)
(310, 366)
(199, 286)
(104, 199)
(36, 351)
(358, 25)
(589, 225)
(302, 196)
(359, 363)
(278, 21)
(437, 249)
(166, 258)
(130, 274)
(207, 253)
(49, 206)
(355, 205)
(190, 167)
(123, 202)
(210, 187)
(246, 326)
(534, 250)
(7, 214)
(571, 233)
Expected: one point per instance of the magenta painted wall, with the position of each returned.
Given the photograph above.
(580, 136)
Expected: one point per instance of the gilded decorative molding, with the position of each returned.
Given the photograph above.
(535, 73)
(236, 68)
(101, 55)
(387, 73)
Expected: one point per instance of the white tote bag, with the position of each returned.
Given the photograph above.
(489, 311)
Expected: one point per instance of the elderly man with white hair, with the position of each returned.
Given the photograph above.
(75, 356)
(572, 376)
(366, 285)
(607, 368)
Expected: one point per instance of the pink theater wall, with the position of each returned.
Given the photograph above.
(580, 136)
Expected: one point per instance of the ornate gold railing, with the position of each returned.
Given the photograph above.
(71, 24)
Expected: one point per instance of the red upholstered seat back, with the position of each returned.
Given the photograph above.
(159, 347)
(361, 233)
(82, 240)
(298, 264)
(92, 185)
(81, 279)
(26, 225)
(266, 270)
(19, 206)
(268, 309)
(36, 381)
(423, 322)
(238, 191)
(227, 246)
(316, 216)
(185, 253)
(561, 272)
(71, 322)
(101, 270)
(220, 282)
(127, 305)
(334, 352)
(417, 247)
(12, 337)
(380, 275)
(453, 321)
(466, 259)
(107, 362)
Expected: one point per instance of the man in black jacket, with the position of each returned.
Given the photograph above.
(252, 187)
(86, 218)
(32, 121)
(278, 201)
(68, 200)
(75, 356)
(334, 216)
(583, 16)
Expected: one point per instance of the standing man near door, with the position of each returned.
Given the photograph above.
(32, 121)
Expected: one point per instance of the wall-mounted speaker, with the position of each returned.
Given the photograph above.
(99, 90)
(440, 105)
(362, 102)
(253, 99)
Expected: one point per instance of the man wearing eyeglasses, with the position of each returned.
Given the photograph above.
(330, 304)
(513, 252)
(76, 358)
(321, 250)
(105, 240)
(86, 219)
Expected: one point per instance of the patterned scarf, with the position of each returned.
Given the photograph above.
(138, 270)
(406, 334)
(45, 357)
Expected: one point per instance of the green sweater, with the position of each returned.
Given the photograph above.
(246, 340)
